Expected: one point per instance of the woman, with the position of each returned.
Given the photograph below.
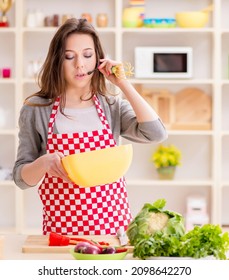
(74, 113)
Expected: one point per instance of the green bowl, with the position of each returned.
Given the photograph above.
(116, 256)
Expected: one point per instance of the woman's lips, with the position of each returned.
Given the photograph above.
(80, 76)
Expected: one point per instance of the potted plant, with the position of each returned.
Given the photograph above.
(165, 159)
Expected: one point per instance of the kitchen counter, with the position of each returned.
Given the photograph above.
(12, 250)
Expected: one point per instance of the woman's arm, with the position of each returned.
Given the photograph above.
(32, 173)
(143, 111)
(135, 119)
(32, 162)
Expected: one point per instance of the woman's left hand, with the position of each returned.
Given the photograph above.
(105, 68)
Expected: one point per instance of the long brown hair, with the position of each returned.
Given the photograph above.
(51, 77)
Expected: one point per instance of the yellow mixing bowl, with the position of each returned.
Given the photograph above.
(98, 167)
(195, 19)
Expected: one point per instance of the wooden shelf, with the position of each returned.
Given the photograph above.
(205, 152)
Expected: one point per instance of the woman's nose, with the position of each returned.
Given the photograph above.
(78, 63)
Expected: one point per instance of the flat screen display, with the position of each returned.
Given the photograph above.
(170, 62)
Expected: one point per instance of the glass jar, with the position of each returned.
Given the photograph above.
(66, 17)
(102, 20)
(31, 20)
(87, 16)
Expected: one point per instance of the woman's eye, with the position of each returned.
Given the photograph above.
(88, 55)
(68, 57)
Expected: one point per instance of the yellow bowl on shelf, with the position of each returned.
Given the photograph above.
(98, 167)
(195, 19)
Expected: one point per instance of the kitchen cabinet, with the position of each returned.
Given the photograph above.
(205, 152)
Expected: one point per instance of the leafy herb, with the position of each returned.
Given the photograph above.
(158, 245)
(208, 240)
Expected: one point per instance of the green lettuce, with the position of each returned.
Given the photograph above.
(207, 240)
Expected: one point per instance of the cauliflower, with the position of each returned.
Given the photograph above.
(153, 219)
(157, 221)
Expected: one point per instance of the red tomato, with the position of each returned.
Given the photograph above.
(120, 250)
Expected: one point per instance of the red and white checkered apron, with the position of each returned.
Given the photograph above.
(71, 209)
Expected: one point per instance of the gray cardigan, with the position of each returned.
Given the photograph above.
(33, 123)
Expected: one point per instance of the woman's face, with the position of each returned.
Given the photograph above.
(80, 58)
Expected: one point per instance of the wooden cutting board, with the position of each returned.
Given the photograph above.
(193, 105)
(39, 244)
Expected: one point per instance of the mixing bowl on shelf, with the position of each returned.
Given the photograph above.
(193, 19)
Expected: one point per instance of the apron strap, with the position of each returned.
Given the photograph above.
(101, 113)
(53, 116)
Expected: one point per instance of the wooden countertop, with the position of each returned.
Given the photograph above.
(12, 250)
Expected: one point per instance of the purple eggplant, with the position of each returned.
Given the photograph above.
(86, 248)
(109, 250)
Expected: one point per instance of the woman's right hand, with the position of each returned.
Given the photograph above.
(33, 172)
(54, 167)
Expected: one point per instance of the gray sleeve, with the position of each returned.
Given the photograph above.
(144, 132)
(32, 139)
(123, 122)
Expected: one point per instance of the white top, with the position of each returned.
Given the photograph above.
(78, 120)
